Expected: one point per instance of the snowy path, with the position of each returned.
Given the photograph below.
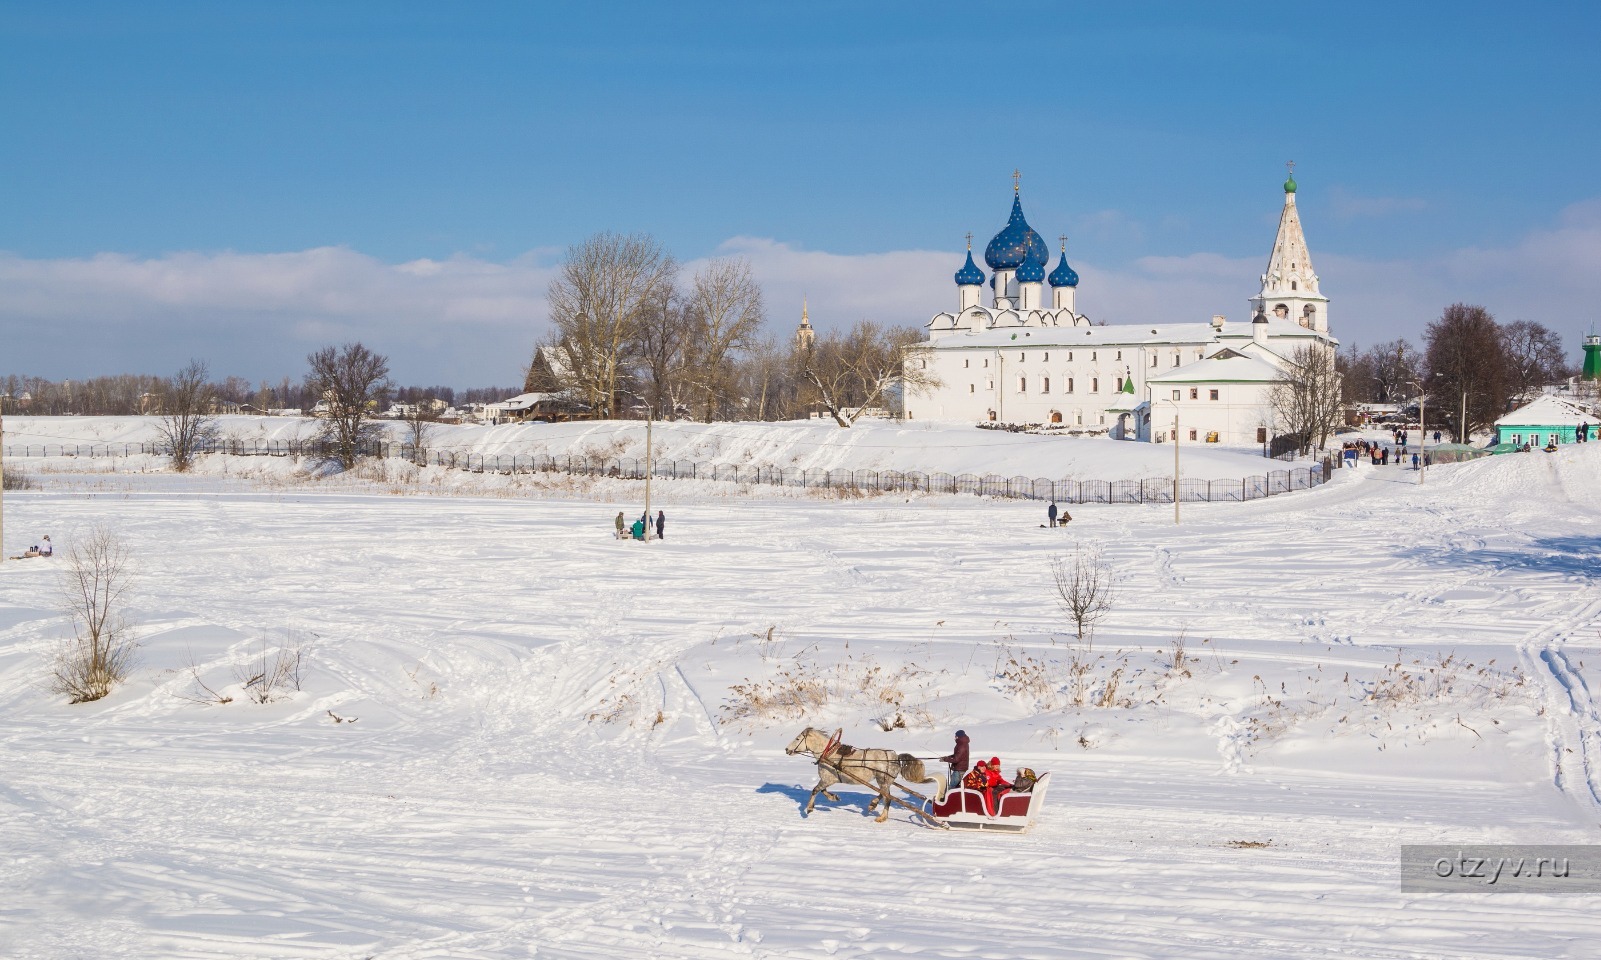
(538, 763)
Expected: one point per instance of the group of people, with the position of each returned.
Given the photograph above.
(1380, 455)
(42, 549)
(637, 530)
(1056, 518)
(985, 778)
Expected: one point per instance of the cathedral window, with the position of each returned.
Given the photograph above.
(1175, 394)
(1214, 394)
(972, 388)
(1119, 384)
(989, 384)
(1153, 360)
(1021, 356)
(1095, 385)
(1069, 356)
(1022, 384)
(1175, 358)
(966, 362)
(1192, 435)
(1092, 354)
(1047, 357)
(1120, 355)
(1045, 384)
(1195, 393)
(1292, 285)
(1069, 384)
(986, 361)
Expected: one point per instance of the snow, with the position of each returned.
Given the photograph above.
(809, 445)
(544, 753)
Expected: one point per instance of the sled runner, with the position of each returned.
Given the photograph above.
(967, 809)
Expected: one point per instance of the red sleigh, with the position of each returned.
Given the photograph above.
(967, 809)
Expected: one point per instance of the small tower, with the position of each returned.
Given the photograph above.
(1592, 358)
(1064, 283)
(969, 280)
(1290, 285)
(805, 336)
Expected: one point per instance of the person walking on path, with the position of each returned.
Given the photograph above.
(957, 759)
(661, 523)
(1414, 461)
(1050, 514)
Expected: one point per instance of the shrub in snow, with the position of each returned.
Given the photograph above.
(101, 650)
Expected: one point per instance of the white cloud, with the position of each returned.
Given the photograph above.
(1352, 206)
(469, 321)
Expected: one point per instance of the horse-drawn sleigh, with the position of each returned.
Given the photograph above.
(883, 770)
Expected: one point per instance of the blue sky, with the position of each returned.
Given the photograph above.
(245, 181)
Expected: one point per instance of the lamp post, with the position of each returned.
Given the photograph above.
(1423, 430)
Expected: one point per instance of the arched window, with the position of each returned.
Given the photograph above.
(1056, 416)
(1119, 384)
(1069, 384)
(1022, 384)
(992, 414)
(1045, 384)
(1095, 385)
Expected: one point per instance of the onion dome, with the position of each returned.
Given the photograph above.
(1289, 185)
(970, 274)
(1064, 275)
(1016, 244)
(1031, 271)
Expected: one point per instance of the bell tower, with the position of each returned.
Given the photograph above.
(1290, 285)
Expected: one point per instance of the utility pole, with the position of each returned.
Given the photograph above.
(649, 417)
(3, 399)
(1423, 432)
(1175, 464)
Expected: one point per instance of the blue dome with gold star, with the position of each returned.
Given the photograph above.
(1064, 275)
(970, 274)
(1031, 271)
(1016, 244)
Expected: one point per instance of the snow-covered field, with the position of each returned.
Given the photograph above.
(800, 445)
(544, 751)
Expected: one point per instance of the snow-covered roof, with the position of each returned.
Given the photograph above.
(1114, 335)
(523, 401)
(1223, 367)
(1547, 412)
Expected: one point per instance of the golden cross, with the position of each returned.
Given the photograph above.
(1291, 165)
(969, 239)
(1063, 238)
(1017, 180)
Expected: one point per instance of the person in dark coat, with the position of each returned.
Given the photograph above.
(661, 523)
(957, 759)
(1050, 514)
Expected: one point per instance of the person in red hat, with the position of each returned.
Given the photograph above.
(995, 785)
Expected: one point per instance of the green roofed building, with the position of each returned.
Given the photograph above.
(1545, 421)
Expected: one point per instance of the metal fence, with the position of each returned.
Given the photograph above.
(1153, 490)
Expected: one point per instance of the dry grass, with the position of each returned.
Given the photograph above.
(803, 687)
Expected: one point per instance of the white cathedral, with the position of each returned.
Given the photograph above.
(1021, 360)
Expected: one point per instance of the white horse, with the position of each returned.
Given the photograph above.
(840, 763)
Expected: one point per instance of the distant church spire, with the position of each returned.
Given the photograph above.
(805, 336)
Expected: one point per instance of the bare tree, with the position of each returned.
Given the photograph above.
(187, 422)
(1085, 587)
(1534, 356)
(352, 381)
(848, 373)
(767, 384)
(421, 420)
(597, 305)
(725, 314)
(1468, 370)
(663, 348)
(1307, 403)
(102, 648)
